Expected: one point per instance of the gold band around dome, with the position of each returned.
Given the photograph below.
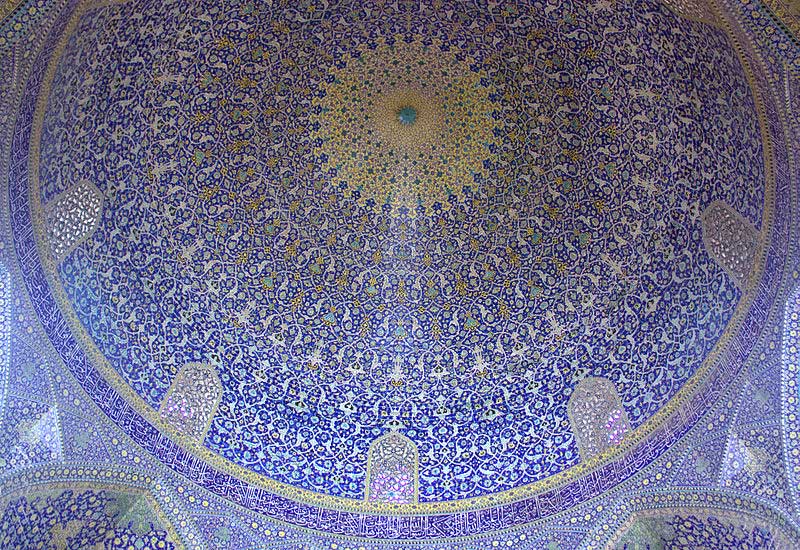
(317, 499)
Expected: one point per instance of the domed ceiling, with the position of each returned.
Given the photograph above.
(390, 256)
(437, 222)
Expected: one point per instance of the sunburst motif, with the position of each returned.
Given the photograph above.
(407, 124)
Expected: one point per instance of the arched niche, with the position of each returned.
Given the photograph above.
(697, 10)
(72, 217)
(597, 417)
(392, 470)
(730, 240)
(192, 400)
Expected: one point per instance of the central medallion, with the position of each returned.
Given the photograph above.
(407, 115)
(408, 125)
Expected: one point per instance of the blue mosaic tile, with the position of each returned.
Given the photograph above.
(308, 346)
(305, 293)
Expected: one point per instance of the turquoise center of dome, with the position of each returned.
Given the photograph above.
(407, 115)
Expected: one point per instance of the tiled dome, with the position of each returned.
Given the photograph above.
(397, 258)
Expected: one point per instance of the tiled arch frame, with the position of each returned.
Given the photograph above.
(392, 470)
(731, 509)
(790, 394)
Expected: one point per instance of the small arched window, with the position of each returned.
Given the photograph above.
(72, 217)
(692, 9)
(730, 240)
(192, 400)
(392, 470)
(597, 417)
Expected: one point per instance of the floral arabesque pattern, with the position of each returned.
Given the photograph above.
(76, 519)
(222, 234)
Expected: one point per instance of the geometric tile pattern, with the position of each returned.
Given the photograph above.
(597, 416)
(392, 471)
(72, 217)
(192, 400)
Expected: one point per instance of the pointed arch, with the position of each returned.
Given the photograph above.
(192, 400)
(72, 217)
(730, 240)
(392, 470)
(698, 528)
(597, 417)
